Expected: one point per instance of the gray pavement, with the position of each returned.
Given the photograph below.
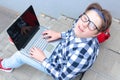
(6, 16)
(106, 66)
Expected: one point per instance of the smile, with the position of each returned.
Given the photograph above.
(80, 29)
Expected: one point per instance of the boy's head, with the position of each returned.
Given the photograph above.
(93, 21)
(104, 15)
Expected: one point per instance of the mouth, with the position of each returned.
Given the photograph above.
(80, 29)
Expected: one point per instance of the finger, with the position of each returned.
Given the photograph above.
(32, 50)
(45, 32)
(31, 54)
(49, 39)
(46, 36)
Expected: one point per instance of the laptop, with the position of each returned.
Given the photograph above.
(26, 33)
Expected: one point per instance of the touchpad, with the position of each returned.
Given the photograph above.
(50, 47)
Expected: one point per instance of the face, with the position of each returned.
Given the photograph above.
(88, 25)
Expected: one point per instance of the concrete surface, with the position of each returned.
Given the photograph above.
(106, 66)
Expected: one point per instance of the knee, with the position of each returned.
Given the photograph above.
(18, 53)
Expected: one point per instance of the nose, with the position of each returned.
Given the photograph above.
(85, 24)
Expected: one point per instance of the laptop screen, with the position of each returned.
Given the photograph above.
(24, 28)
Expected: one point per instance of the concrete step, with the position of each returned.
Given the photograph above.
(6, 17)
(53, 23)
(114, 42)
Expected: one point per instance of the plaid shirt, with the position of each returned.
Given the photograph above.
(72, 56)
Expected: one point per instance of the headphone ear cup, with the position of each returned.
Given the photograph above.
(103, 36)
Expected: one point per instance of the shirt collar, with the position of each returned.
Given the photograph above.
(79, 39)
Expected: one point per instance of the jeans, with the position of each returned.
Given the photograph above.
(18, 59)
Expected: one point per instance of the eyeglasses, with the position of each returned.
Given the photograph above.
(91, 25)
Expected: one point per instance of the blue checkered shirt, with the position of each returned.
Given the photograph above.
(72, 56)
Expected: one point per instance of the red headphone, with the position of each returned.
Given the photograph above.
(103, 36)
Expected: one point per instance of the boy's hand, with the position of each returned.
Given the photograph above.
(37, 54)
(50, 35)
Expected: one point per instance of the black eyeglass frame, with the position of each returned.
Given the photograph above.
(89, 21)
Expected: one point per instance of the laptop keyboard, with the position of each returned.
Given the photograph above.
(40, 43)
(37, 41)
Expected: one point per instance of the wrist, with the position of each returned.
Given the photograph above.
(59, 34)
(45, 62)
(44, 59)
(63, 35)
